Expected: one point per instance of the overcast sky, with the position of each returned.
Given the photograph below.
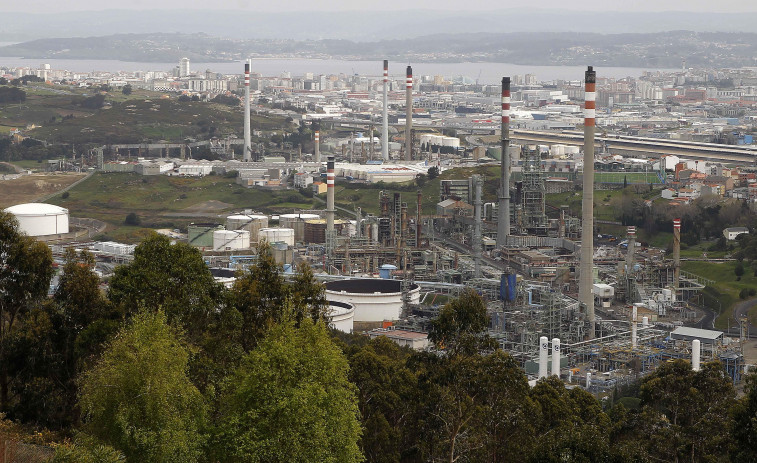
(48, 6)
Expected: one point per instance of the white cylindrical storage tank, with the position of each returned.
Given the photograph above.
(557, 150)
(645, 322)
(252, 223)
(572, 150)
(374, 299)
(556, 357)
(340, 316)
(543, 356)
(451, 141)
(297, 223)
(696, 351)
(275, 235)
(588, 379)
(231, 240)
(40, 219)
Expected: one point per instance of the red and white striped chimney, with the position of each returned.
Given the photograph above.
(586, 279)
(503, 213)
(247, 150)
(385, 115)
(676, 253)
(409, 114)
(330, 195)
(317, 143)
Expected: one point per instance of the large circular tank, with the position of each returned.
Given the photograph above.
(39, 219)
(251, 223)
(341, 316)
(297, 223)
(571, 150)
(201, 234)
(315, 230)
(275, 235)
(374, 299)
(451, 141)
(231, 240)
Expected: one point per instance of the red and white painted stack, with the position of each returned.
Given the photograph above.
(503, 214)
(247, 150)
(317, 143)
(586, 280)
(676, 253)
(385, 116)
(409, 115)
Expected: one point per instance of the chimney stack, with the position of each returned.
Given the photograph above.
(418, 221)
(503, 213)
(676, 253)
(409, 115)
(317, 145)
(556, 357)
(477, 238)
(586, 279)
(543, 356)
(330, 203)
(630, 250)
(247, 150)
(696, 352)
(385, 116)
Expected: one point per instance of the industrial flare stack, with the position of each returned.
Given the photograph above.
(247, 150)
(385, 116)
(409, 115)
(503, 215)
(586, 280)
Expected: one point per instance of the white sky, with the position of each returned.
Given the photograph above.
(48, 6)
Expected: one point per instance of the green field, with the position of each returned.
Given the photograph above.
(111, 197)
(632, 177)
(725, 292)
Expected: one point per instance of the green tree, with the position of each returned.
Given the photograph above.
(126, 90)
(25, 274)
(461, 324)
(744, 425)
(169, 276)
(139, 399)
(132, 219)
(290, 401)
(308, 295)
(87, 451)
(433, 172)
(739, 269)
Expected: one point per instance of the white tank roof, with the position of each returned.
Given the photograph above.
(36, 209)
(246, 217)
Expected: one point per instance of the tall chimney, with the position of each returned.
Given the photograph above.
(418, 221)
(317, 145)
(409, 115)
(634, 337)
(630, 250)
(330, 203)
(477, 239)
(247, 150)
(385, 116)
(586, 279)
(503, 214)
(543, 356)
(556, 357)
(676, 253)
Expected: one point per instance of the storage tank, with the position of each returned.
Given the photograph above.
(451, 141)
(275, 235)
(201, 234)
(231, 240)
(340, 316)
(571, 150)
(297, 223)
(249, 222)
(557, 150)
(374, 299)
(315, 230)
(40, 219)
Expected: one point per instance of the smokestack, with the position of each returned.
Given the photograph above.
(385, 116)
(588, 379)
(317, 145)
(543, 356)
(477, 239)
(645, 322)
(330, 198)
(696, 352)
(556, 357)
(247, 150)
(409, 115)
(418, 221)
(503, 215)
(585, 281)
(630, 250)
(676, 253)
(634, 315)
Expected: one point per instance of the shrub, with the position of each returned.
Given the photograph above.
(132, 219)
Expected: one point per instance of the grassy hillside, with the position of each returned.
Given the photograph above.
(726, 288)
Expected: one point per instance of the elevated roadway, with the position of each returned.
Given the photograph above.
(642, 146)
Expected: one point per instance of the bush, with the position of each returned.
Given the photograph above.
(65, 195)
(744, 293)
(132, 219)
(752, 291)
(93, 102)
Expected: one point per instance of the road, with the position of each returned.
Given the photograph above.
(742, 309)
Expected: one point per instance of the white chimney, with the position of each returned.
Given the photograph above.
(543, 356)
(696, 351)
(556, 357)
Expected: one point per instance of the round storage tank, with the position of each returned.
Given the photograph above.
(275, 235)
(231, 240)
(201, 234)
(573, 150)
(451, 141)
(251, 223)
(297, 223)
(374, 299)
(39, 219)
(315, 231)
(341, 316)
